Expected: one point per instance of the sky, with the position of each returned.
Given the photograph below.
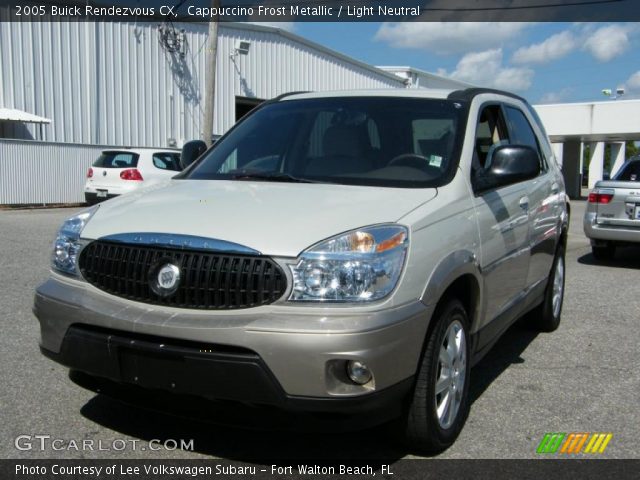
(544, 62)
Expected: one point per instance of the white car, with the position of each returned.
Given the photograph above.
(120, 171)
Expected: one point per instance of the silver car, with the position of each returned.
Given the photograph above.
(353, 253)
(612, 217)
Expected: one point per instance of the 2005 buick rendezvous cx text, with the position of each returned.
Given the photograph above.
(347, 252)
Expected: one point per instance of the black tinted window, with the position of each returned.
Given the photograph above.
(117, 160)
(521, 131)
(630, 172)
(167, 161)
(400, 142)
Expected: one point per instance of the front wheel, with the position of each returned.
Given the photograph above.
(440, 403)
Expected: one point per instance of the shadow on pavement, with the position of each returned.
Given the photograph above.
(261, 438)
(625, 257)
(506, 352)
(265, 435)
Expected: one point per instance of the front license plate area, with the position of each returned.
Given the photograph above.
(148, 369)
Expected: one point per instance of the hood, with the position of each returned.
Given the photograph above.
(277, 219)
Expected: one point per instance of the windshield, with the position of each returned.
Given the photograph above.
(378, 141)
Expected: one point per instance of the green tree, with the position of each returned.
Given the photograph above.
(631, 150)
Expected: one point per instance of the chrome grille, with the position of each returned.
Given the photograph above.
(208, 280)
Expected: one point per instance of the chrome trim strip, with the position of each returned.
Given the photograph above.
(183, 242)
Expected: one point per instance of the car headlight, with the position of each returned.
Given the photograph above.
(67, 243)
(359, 266)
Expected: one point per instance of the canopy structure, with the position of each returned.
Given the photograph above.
(15, 115)
(571, 126)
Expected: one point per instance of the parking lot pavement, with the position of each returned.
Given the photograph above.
(582, 378)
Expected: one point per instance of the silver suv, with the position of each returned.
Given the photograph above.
(612, 217)
(347, 252)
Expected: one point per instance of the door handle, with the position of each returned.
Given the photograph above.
(524, 203)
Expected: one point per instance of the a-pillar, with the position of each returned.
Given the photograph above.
(617, 156)
(596, 163)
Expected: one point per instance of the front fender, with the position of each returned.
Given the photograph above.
(452, 267)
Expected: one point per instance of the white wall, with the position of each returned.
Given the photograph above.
(599, 119)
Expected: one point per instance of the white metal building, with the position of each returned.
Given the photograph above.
(70, 89)
(126, 83)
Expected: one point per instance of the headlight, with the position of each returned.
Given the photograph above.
(67, 243)
(358, 266)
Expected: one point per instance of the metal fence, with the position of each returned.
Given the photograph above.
(43, 173)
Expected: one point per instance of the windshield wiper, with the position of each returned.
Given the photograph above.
(269, 177)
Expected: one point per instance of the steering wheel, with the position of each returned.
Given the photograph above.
(413, 160)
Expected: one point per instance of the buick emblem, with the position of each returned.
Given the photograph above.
(166, 280)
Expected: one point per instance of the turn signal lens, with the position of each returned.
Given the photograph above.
(395, 241)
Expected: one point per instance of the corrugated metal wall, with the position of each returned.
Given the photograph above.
(112, 82)
(42, 172)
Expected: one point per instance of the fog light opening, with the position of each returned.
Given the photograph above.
(358, 372)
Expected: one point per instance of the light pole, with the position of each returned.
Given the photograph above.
(210, 77)
(607, 92)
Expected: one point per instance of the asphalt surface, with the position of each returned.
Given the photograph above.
(581, 378)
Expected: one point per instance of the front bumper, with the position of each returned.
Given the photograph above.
(268, 355)
(606, 232)
(119, 361)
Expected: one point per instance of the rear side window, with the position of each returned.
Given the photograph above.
(630, 173)
(167, 161)
(117, 160)
(491, 132)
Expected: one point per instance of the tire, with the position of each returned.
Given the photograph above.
(604, 253)
(428, 428)
(546, 317)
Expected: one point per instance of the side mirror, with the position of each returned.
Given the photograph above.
(513, 164)
(191, 151)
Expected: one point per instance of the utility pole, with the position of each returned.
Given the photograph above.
(210, 76)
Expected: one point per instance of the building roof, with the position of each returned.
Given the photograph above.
(15, 115)
(315, 46)
(422, 73)
(388, 72)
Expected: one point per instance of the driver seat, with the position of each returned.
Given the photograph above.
(344, 152)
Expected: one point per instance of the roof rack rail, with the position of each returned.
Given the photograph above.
(288, 94)
(470, 93)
